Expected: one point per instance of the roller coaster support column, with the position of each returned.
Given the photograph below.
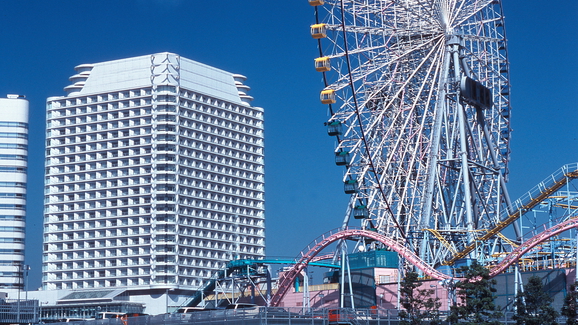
(342, 279)
(268, 286)
(517, 270)
(399, 275)
(306, 290)
(516, 284)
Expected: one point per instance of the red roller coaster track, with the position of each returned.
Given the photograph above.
(530, 243)
(286, 281)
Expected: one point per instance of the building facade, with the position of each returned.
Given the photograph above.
(154, 176)
(13, 165)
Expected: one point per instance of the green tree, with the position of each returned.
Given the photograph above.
(534, 305)
(569, 310)
(418, 304)
(476, 295)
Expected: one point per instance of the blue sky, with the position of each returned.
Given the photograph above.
(269, 42)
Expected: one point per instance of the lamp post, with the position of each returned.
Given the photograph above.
(167, 300)
(20, 285)
(26, 269)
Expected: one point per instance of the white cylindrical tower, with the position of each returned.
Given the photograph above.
(13, 171)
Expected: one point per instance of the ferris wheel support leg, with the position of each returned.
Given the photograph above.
(440, 107)
(502, 181)
(464, 149)
(506, 194)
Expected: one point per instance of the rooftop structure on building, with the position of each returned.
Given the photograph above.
(13, 178)
(154, 176)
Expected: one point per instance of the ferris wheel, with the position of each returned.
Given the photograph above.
(418, 95)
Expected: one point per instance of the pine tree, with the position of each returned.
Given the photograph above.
(418, 304)
(534, 305)
(476, 298)
(569, 310)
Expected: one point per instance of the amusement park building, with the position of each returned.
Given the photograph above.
(13, 164)
(154, 177)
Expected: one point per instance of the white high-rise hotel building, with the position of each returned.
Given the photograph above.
(13, 164)
(154, 175)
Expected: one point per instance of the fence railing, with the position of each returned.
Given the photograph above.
(274, 316)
